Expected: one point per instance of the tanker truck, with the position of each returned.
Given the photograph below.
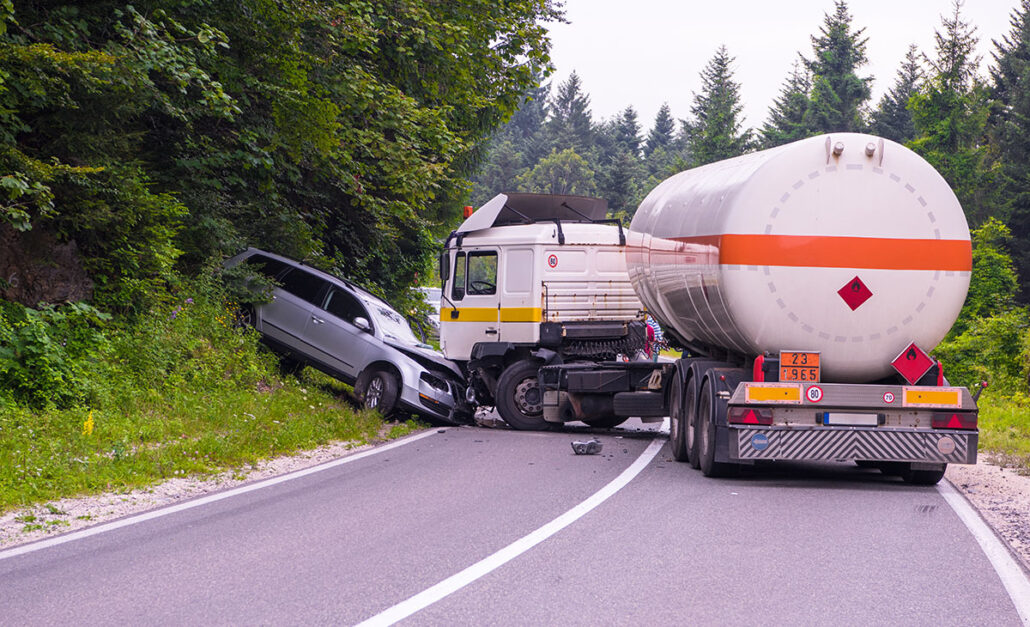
(806, 285)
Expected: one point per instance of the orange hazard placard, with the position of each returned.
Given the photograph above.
(799, 366)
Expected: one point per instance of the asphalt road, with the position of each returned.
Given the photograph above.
(786, 544)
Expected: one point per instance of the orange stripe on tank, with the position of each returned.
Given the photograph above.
(813, 251)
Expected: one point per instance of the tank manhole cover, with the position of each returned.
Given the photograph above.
(855, 293)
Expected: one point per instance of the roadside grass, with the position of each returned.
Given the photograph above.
(1005, 429)
(46, 455)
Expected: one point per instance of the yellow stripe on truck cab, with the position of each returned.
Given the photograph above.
(490, 314)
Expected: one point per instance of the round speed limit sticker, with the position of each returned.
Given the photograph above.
(814, 394)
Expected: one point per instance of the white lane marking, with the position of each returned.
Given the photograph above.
(488, 564)
(1012, 576)
(666, 424)
(132, 520)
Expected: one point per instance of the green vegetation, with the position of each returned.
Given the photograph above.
(1005, 428)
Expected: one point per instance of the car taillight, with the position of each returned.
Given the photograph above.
(953, 420)
(750, 416)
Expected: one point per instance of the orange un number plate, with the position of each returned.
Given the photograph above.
(795, 366)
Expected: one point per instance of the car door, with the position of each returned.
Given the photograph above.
(285, 319)
(333, 334)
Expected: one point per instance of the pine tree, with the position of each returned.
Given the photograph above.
(1010, 127)
(663, 131)
(627, 130)
(950, 116)
(571, 124)
(838, 96)
(786, 116)
(716, 132)
(892, 118)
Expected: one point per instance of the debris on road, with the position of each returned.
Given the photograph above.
(590, 447)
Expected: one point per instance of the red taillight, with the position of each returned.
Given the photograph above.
(953, 420)
(750, 416)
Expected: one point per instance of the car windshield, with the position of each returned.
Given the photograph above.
(394, 326)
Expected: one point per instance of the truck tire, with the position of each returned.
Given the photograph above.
(706, 421)
(692, 433)
(677, 424)
(519, 399)
(922, 477)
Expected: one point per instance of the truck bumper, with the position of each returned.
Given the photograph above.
(852, 443)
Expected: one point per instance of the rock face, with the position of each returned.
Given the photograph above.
(36, 268)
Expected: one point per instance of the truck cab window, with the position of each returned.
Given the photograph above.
(482, 273)
(458, 285)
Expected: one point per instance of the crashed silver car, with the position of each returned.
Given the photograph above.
(331, 324)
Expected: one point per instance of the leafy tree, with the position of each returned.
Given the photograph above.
(1010, 129)
(562, 172)
(571, 124)
(838, 95)
(662, 133)
(716, 132)
(950, 113)
(786, 122)
(892, 118)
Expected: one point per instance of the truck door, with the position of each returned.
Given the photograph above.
(471, 316)
(519, 293)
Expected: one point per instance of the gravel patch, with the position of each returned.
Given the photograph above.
(1002, 496)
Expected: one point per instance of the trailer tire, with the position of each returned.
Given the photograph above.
(923, 477)
(519, 399)
(692, 433)
(706, 420)
(677, 424)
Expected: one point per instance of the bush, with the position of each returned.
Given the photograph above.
(991, 349)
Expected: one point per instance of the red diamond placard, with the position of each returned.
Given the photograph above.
(855, 293)
(912, 363)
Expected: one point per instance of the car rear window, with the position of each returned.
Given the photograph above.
(304, 285)
(267, 266)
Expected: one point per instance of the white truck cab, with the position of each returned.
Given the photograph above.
(530, 280)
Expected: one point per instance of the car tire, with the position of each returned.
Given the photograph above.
(519, 398)
(243, 317)
(380, 392)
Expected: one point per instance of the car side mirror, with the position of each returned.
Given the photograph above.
(362, 323)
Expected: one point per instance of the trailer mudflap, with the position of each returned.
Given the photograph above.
(827, 443)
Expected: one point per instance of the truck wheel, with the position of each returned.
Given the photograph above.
(677, 424)
(380, 392)
(692, 432)
(706, 422)
(519, 398)
(922, 477)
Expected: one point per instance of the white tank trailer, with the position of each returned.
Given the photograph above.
(849, 245)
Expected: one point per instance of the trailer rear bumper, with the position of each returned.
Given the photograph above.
(852, 443)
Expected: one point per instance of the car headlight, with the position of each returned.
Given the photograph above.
(435, 382)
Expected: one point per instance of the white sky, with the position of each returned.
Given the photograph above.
(646, 52)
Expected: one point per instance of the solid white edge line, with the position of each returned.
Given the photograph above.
(483, 567)
(138, 518)
(1012, 576)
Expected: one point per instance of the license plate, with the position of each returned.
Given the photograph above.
(851, 420)
(798, 366)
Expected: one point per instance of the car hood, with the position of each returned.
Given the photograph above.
(429, 359)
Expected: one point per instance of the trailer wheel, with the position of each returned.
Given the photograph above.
(706, 421)
(519, 398)
(692, 432)
(922, 477)
(677, 424)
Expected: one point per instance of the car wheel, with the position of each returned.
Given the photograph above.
(922, 477)
(381, 392)
(706, 421)
(519, 398)
(677, 424)
(607, 422)
(243, 317)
